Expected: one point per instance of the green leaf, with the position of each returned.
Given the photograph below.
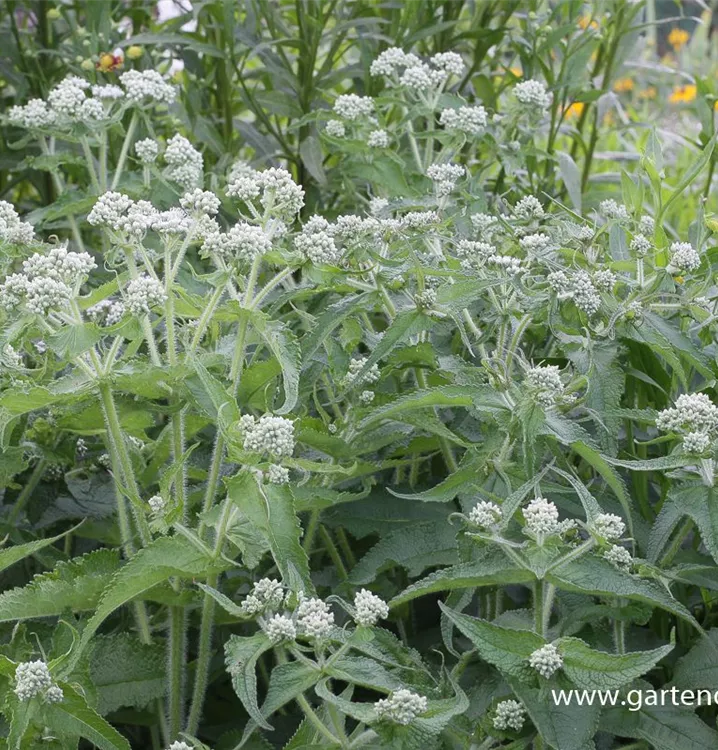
(491, 568)
(571, 177)
(422, 399)
(241, 656)
(71, 341)
(270, 507)
(73, 716)
(311, 154)
(600, 670)
(126, 672)
(10, 555)
(699, 667)
(562, 727)
(664, 728)
(163, 558)
(283, 344)
(74, 586)
(414, 547)
(597, 577)
(506, 648)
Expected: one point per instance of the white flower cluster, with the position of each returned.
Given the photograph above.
(584, 293)
(352, 378)
(369, 608)
(693, 412)
(47, 282)
(184, 162)
(353, 107)
(314, 618)
(106, 312)
(240, 245)
(33, 678)
(529, 207)
(546, 660)
(109, 208)
(619, 556)
(542, 520)
(147, 150)
(471, 120)
(316, 243)
(335, 129)
(425, 299)
(545, 384)
(684, 257)
(280, 628)
(406, 69)
(268, 434)
(277, 474)
(612, 210)
(401, 707)
(640, 245)
(647, 224)
(200, 202)
(509, 264)
(445, 176)
(9, 358)
(533, 244)
(13, 230)
(267, 593)
(485, 514)
(107, 91)
(179, 746)
(474, 255)
(378, 139)
(157, 504)
(144, 293)
(279, 193)
(532, 95)
(485, 224)
(147, 84)
(608, 526)
(35, 114)
(70, 103)
(509, 715)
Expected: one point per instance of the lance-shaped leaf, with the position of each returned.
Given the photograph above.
(270, 508)
(241, 656)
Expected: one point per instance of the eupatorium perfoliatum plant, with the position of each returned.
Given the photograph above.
(372, 479)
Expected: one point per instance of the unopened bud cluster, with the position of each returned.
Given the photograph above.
(268, 434)
(509, 714)
(546, 660)
(33, 678)
(401, 707)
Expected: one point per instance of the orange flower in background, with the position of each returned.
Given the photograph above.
(678, 38)
(575, 110)
(649, 93)
(623, 85)
(109, 61)
(683, 94)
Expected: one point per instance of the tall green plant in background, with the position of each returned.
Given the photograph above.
(314, 312)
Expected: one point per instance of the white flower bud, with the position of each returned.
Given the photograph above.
(619, 557)
(280, 628)
(608, 526)
(268, 434)
(147, 150)
(144, 293)
(31, 678)
(532, 95)
(546, 660)
(529, 207)
(314, 618)
(485, 514)
(353, 107)
(683, 257)
(369, 608)
(509, 715)
(401, 707)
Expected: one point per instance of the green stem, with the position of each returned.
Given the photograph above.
(90, 159)
(316, 721)
(677, 542)
(538, 605)
(125, 149)
(333, 552)
(177, 656)
(26, 492)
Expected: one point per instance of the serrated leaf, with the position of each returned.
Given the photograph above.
(600, 670)
(74, 586)
(73, 716)
(241, 656)
(126, 672)
(283, 344)
(699, 667)
(491, 568)
(414, 548)
(71, 341)
(10, 555)
(506, 648)
(163, 558)
(270, 508)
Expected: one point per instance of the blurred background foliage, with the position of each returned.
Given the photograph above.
(258, 78)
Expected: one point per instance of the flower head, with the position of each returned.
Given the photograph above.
(546, 660)
(608, 526)
(280, 628)
(684, 257)
(532, 95)
(32, 678)
(144, 293)
(184, 162)
(509, 715)
(485, 514)
(268, 434)
(314, 618)
(401, 707)
(369, 608)
(147, 85)
(470, 120)
(352, 107)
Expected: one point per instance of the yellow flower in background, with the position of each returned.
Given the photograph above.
(575, 110)
(715, 105)
(683, 94)
(649, 93)
(623, 85)
(609, 119)
(135, 52)
(585, 21)
(516, 71)
(678, 38)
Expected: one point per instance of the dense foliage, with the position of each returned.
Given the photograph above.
(357, 377)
